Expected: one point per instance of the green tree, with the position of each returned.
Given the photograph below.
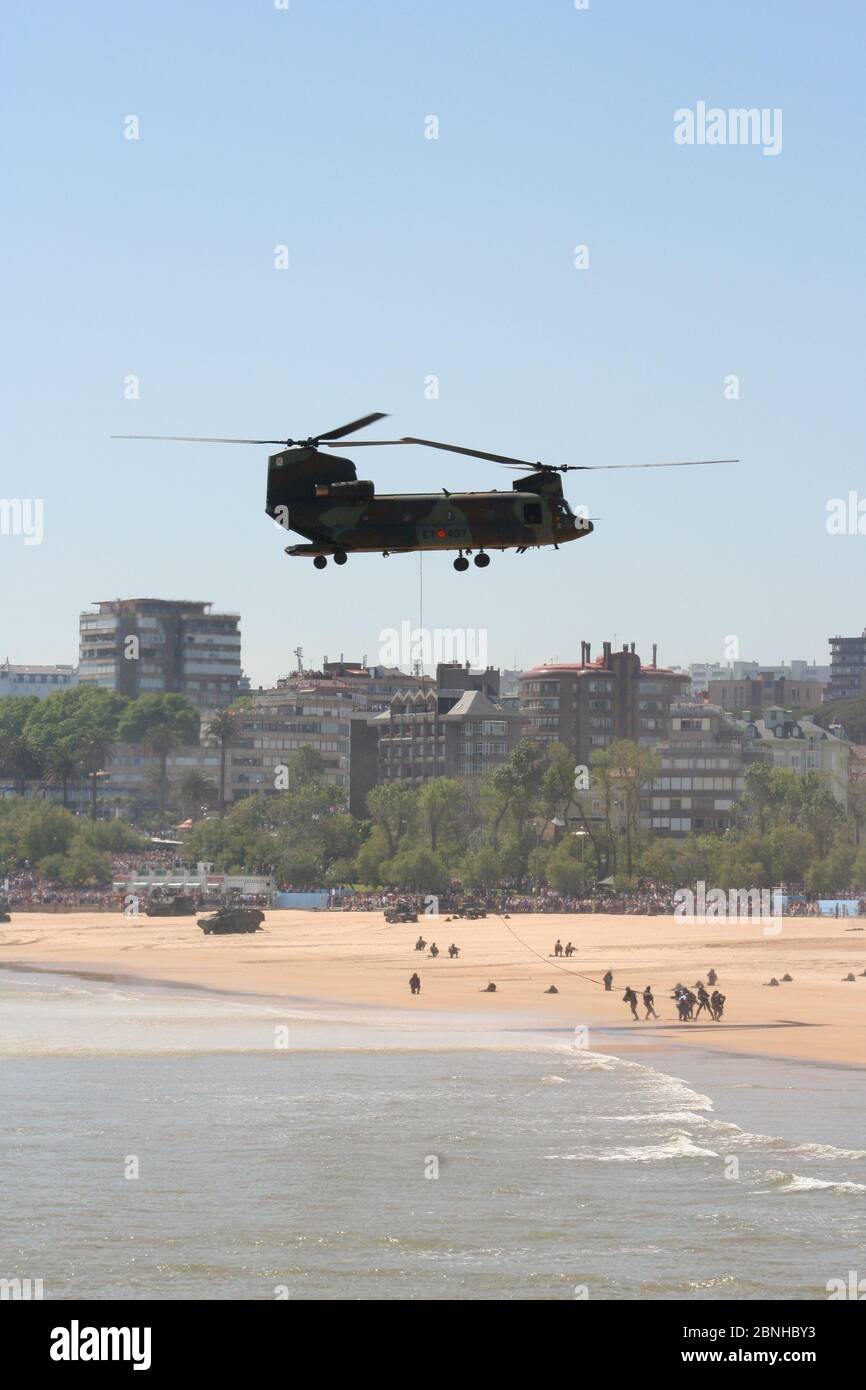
(90, 722)
(819, 812)
(83, 866)
(557, 783)
(624, 769)
(197, 792)
(223, 729)
(393, 809)
(418, 870)
(511, 794)
(444, 812)
(481, 869)
(19, 759)
(858, 871)
(787, 851)
(160, 724)
(567, 871)
(370, 858)
(773, 796)
(43, 829)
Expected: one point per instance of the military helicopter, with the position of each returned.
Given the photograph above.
(321, 498)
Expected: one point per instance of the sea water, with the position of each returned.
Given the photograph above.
(167, 1143)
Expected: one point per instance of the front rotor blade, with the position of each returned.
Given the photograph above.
(360, 443)
(196, 439)
(361, 424)
(473, 453)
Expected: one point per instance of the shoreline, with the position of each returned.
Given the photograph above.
(356, 961)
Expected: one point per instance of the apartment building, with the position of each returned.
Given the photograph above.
(586, 705)
(847, 667)
(701, 776)
(162, 646)
(40, 681)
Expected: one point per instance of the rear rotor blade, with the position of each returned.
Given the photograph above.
(679, 463)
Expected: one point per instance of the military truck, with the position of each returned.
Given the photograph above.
(400, 913)
(470, 910)
(178, 905)
(232, 919)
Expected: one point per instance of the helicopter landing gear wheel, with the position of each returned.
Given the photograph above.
(340, 557)
(461, 563)
(482, 560)
(320, 561)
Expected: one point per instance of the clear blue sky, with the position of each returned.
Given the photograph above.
(454, 257)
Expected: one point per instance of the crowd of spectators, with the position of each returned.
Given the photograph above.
(649, 901)
(26, 889)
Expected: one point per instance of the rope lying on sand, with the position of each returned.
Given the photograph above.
(547, 959)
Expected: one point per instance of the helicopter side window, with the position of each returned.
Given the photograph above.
(532, 513)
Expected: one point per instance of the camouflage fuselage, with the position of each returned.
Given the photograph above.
(321, 499)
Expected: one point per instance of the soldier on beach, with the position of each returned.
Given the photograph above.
(630, 998)
(415, 983)
(648, 1002)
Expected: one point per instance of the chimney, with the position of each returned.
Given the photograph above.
(632, 648)
(606, 651)
(655, 652)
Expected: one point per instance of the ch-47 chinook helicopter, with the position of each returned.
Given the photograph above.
(321, 498)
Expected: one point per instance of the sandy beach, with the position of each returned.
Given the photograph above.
(355, 958)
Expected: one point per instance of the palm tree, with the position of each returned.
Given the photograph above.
(160, 724)
(62, 765)
(223, 728)
(196, 791)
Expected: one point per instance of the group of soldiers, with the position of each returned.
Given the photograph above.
(421, 945)
(691, 1003)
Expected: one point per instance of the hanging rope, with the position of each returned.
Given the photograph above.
(547, 960)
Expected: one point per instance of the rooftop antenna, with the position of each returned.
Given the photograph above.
(299, 653)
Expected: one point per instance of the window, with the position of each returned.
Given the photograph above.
(532, 513)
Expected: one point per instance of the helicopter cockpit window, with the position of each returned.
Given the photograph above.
(532, 513)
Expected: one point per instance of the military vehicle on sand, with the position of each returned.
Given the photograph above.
(228, 920)
(178, 905)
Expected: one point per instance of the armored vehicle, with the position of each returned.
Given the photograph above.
(400, 914)
(4, 911)
(179, 905)
(232, 919)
